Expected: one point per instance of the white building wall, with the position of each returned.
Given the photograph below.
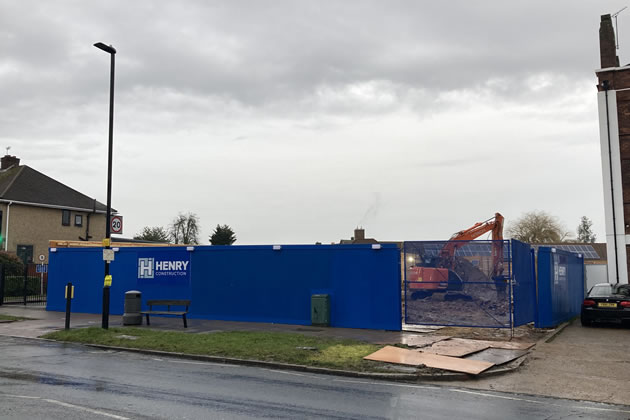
(595, 273)
(610, 124)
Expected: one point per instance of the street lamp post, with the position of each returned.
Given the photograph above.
(107, 242)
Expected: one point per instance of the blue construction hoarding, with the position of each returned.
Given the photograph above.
(523, 283)
(241, 283)
(560, 286)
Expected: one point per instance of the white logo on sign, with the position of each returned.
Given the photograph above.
(145, 268)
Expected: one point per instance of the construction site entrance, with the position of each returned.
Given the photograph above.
(466, 283)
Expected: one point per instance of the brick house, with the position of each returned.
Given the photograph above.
(35, 208)
(358, 238)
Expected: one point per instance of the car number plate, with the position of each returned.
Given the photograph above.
(606, 305)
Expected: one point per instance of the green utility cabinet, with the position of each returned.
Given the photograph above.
(320, 310)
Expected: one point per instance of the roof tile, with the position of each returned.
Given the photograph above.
(24, 183)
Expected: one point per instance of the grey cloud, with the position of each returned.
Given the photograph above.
(203, 76)
(261, 53)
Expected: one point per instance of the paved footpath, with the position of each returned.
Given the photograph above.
(580, 363)
(44, 321)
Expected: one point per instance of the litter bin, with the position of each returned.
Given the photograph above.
(133, 306)
(320, 310)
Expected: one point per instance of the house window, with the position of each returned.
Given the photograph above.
(25, 253)
(78, 220)
(65, 217)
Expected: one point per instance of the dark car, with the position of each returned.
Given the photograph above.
(606, 303)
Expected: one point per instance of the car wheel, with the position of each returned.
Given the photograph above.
(585, 322)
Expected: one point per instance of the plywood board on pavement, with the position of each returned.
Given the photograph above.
(422, 340)
(390, 354)
(456, 347)
(508, 345)
(421, 328)
(497, 356)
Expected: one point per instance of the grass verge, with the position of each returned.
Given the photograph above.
(11, 318)
(267, 346)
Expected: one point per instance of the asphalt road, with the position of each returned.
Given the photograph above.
(40, 379)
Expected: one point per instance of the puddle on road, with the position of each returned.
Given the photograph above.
(38, 378)
(53, 380)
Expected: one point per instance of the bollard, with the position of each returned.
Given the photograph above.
(69, 297)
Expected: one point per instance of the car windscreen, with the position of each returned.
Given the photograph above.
(601, 290)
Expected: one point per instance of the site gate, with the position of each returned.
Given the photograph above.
(468, 283)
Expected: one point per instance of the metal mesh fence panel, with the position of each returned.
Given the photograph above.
(458, 283)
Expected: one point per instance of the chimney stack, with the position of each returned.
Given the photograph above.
(8, 161)
(359, 234)
(607, 44)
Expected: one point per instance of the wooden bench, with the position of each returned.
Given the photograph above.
(167, 312)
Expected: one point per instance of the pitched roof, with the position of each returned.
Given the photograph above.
(25, 184)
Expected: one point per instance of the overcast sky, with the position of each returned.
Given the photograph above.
(297, 121)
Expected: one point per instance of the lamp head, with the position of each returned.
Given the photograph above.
(107, 48)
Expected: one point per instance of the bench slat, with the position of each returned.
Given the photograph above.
(163, 313)
(177, 302)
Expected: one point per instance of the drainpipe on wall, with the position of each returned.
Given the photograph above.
(87, 223)
(606, 86)
(87, 227)
(6, 235)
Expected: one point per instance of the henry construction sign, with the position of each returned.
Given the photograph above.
(164, 267)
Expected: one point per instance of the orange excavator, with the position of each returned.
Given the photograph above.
(438, 274)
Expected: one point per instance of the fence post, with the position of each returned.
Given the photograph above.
(1, 284)
(25, 277)
(404, 283)
(510, 293)
(535, 284)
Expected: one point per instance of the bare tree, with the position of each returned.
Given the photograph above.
(538, 227)
(185, 229)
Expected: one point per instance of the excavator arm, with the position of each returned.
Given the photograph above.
(461, 238)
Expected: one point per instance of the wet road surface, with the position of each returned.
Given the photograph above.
(40, 379)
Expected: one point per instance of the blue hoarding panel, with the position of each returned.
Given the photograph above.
(524, 283)
(361, 291)
(84, 268)
(257, 284)
(242, 283)
(560, 286)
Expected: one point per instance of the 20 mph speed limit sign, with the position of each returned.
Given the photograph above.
(116, 224)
